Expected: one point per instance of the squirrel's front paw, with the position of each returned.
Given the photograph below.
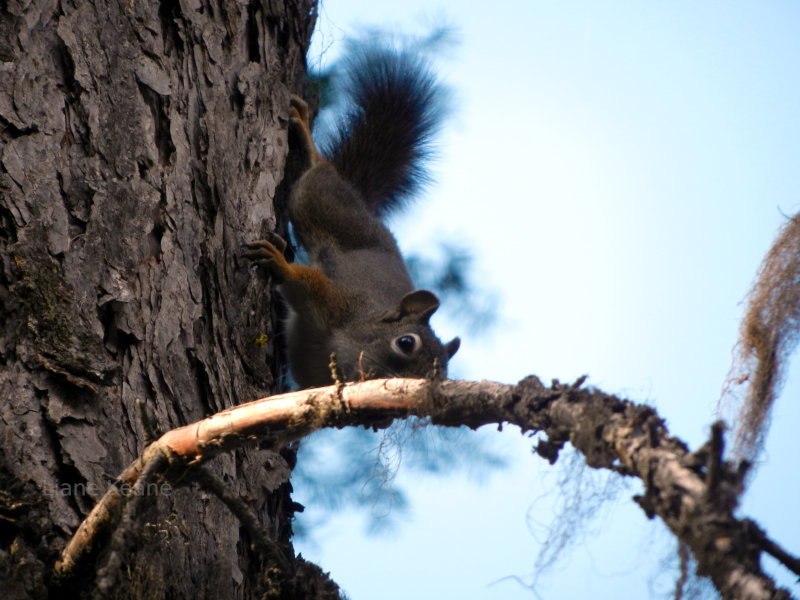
(268, 253)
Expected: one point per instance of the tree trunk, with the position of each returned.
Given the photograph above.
(141, 143)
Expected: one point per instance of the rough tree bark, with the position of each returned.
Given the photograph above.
(140, 144)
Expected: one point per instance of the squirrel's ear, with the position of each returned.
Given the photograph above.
(451, 347)
(420, 305)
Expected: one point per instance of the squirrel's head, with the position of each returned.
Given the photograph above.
(398, 343)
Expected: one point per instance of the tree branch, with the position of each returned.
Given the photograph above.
(693, 493)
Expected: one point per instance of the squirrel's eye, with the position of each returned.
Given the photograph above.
(406, 344)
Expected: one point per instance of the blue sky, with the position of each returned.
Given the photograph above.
(619, 170)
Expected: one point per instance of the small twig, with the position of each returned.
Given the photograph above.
(579, 382)
(437, 370)
(767, 545)
(683, 555)
(244, 513)
(150, 429)
(336, 373)
(714, 468)
(362, 376)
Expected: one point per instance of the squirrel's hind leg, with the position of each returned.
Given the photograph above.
(301, 127)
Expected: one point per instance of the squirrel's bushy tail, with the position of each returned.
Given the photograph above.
(384, 138)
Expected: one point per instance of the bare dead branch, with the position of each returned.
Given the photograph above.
(287, 416)
(693, 493)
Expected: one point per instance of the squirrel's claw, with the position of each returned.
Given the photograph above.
(270, 239)
(268, 253)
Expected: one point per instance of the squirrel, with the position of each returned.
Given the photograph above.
(356, 300)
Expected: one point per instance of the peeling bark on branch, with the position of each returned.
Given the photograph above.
(693, 493)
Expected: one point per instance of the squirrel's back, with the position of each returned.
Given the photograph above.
(384, 138)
